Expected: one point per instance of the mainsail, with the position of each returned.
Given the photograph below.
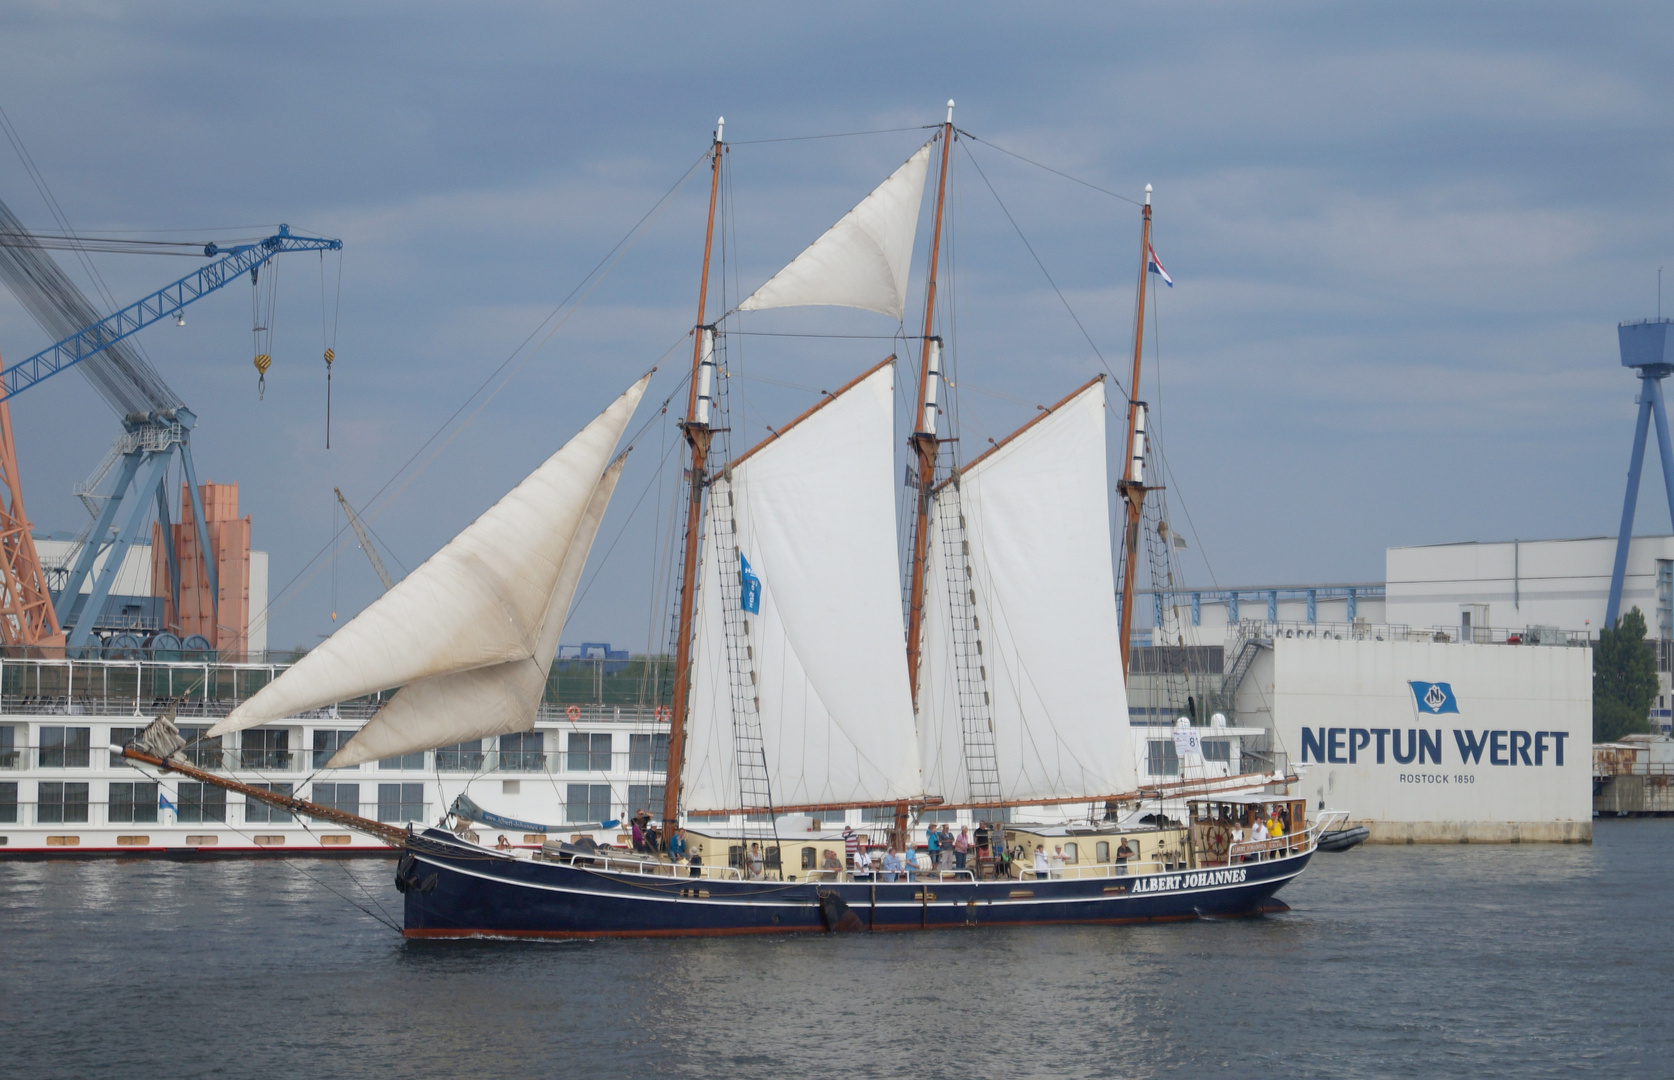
(482, 600)
(1038, 578)
(862, 261)
(813, 511)
(492, 700)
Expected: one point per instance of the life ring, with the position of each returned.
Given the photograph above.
(664, 714)
(573, 712)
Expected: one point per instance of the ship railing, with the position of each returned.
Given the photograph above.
(1073, 871)
(98, 813)
(638, 864)
(1295, 843)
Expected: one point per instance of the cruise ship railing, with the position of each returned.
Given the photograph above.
(97, 813)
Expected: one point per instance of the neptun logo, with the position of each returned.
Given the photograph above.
(1424, 746)
(1434, 698)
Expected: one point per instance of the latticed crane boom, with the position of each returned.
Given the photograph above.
(365, 541)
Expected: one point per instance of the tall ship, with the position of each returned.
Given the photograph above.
(809, 695)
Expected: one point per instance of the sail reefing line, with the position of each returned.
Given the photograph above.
(492, 587)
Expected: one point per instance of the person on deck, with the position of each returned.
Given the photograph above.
(891, 866)
(1043, 869)
(638, 833)
(653, 839)
(961, 848)
(755, 866)
(1123, 854)
(933, 845)
(677, 845)
(851, 844)
(947, 849)
(697, 866)
(831, 864)
(862, 866)
(503, 844)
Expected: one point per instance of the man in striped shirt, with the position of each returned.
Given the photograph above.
(851, 845)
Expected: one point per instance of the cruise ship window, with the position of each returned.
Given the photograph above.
(327, 743)
(400, 802)
(61, 803)
(257, 812)
(591, 753)
(200, 803)
(413, 762)
(648, 753)
(587, 802)
(1217, 749)
(265, 748)
(523, 751)
(201, 750)
(344, 797)
(120, 736)
(66, 747)
(133, 802)
(1161, 759)
(460, 757)
(8, 747)
(647, 797)
(8, 802)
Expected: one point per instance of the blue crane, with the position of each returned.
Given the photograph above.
(151, 438)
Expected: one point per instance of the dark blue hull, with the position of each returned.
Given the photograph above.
(454, 891)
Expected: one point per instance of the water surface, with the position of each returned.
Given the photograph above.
(1526, 961)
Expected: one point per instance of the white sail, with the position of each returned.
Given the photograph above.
(815, 516)
(481, 600)
(863, 260)
(485, 701)
(1038, 528)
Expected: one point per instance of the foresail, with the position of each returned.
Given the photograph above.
(814, 511)
(481, 600)
(485, 701)
(1037, 524)
(863, 260)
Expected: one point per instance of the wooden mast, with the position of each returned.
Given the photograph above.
(1133, 486)
(699, 434)
(923, 438)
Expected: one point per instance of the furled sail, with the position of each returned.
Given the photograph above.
(1041, 589)
(863, 260)
(484, 701)
(813, 511)
(481, 600)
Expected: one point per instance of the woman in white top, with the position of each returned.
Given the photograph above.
(1042, 867)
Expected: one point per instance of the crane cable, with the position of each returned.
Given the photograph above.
(264, 303)
(328, 334)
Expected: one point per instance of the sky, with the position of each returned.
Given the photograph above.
(1401, 237)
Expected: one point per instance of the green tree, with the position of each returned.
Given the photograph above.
(1624, 679)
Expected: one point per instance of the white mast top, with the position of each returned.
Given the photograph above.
(1147, 194)
(950, 110)
(720, 126)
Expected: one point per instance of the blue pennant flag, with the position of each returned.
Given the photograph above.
(1434, 697)
(750, 600)
(163, 802)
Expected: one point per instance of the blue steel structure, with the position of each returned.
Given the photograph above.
(1353, 594)
(1648, 348)
(151, 440)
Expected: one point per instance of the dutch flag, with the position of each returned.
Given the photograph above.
(1156, 267)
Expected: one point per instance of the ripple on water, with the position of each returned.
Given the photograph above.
(1525, 961)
